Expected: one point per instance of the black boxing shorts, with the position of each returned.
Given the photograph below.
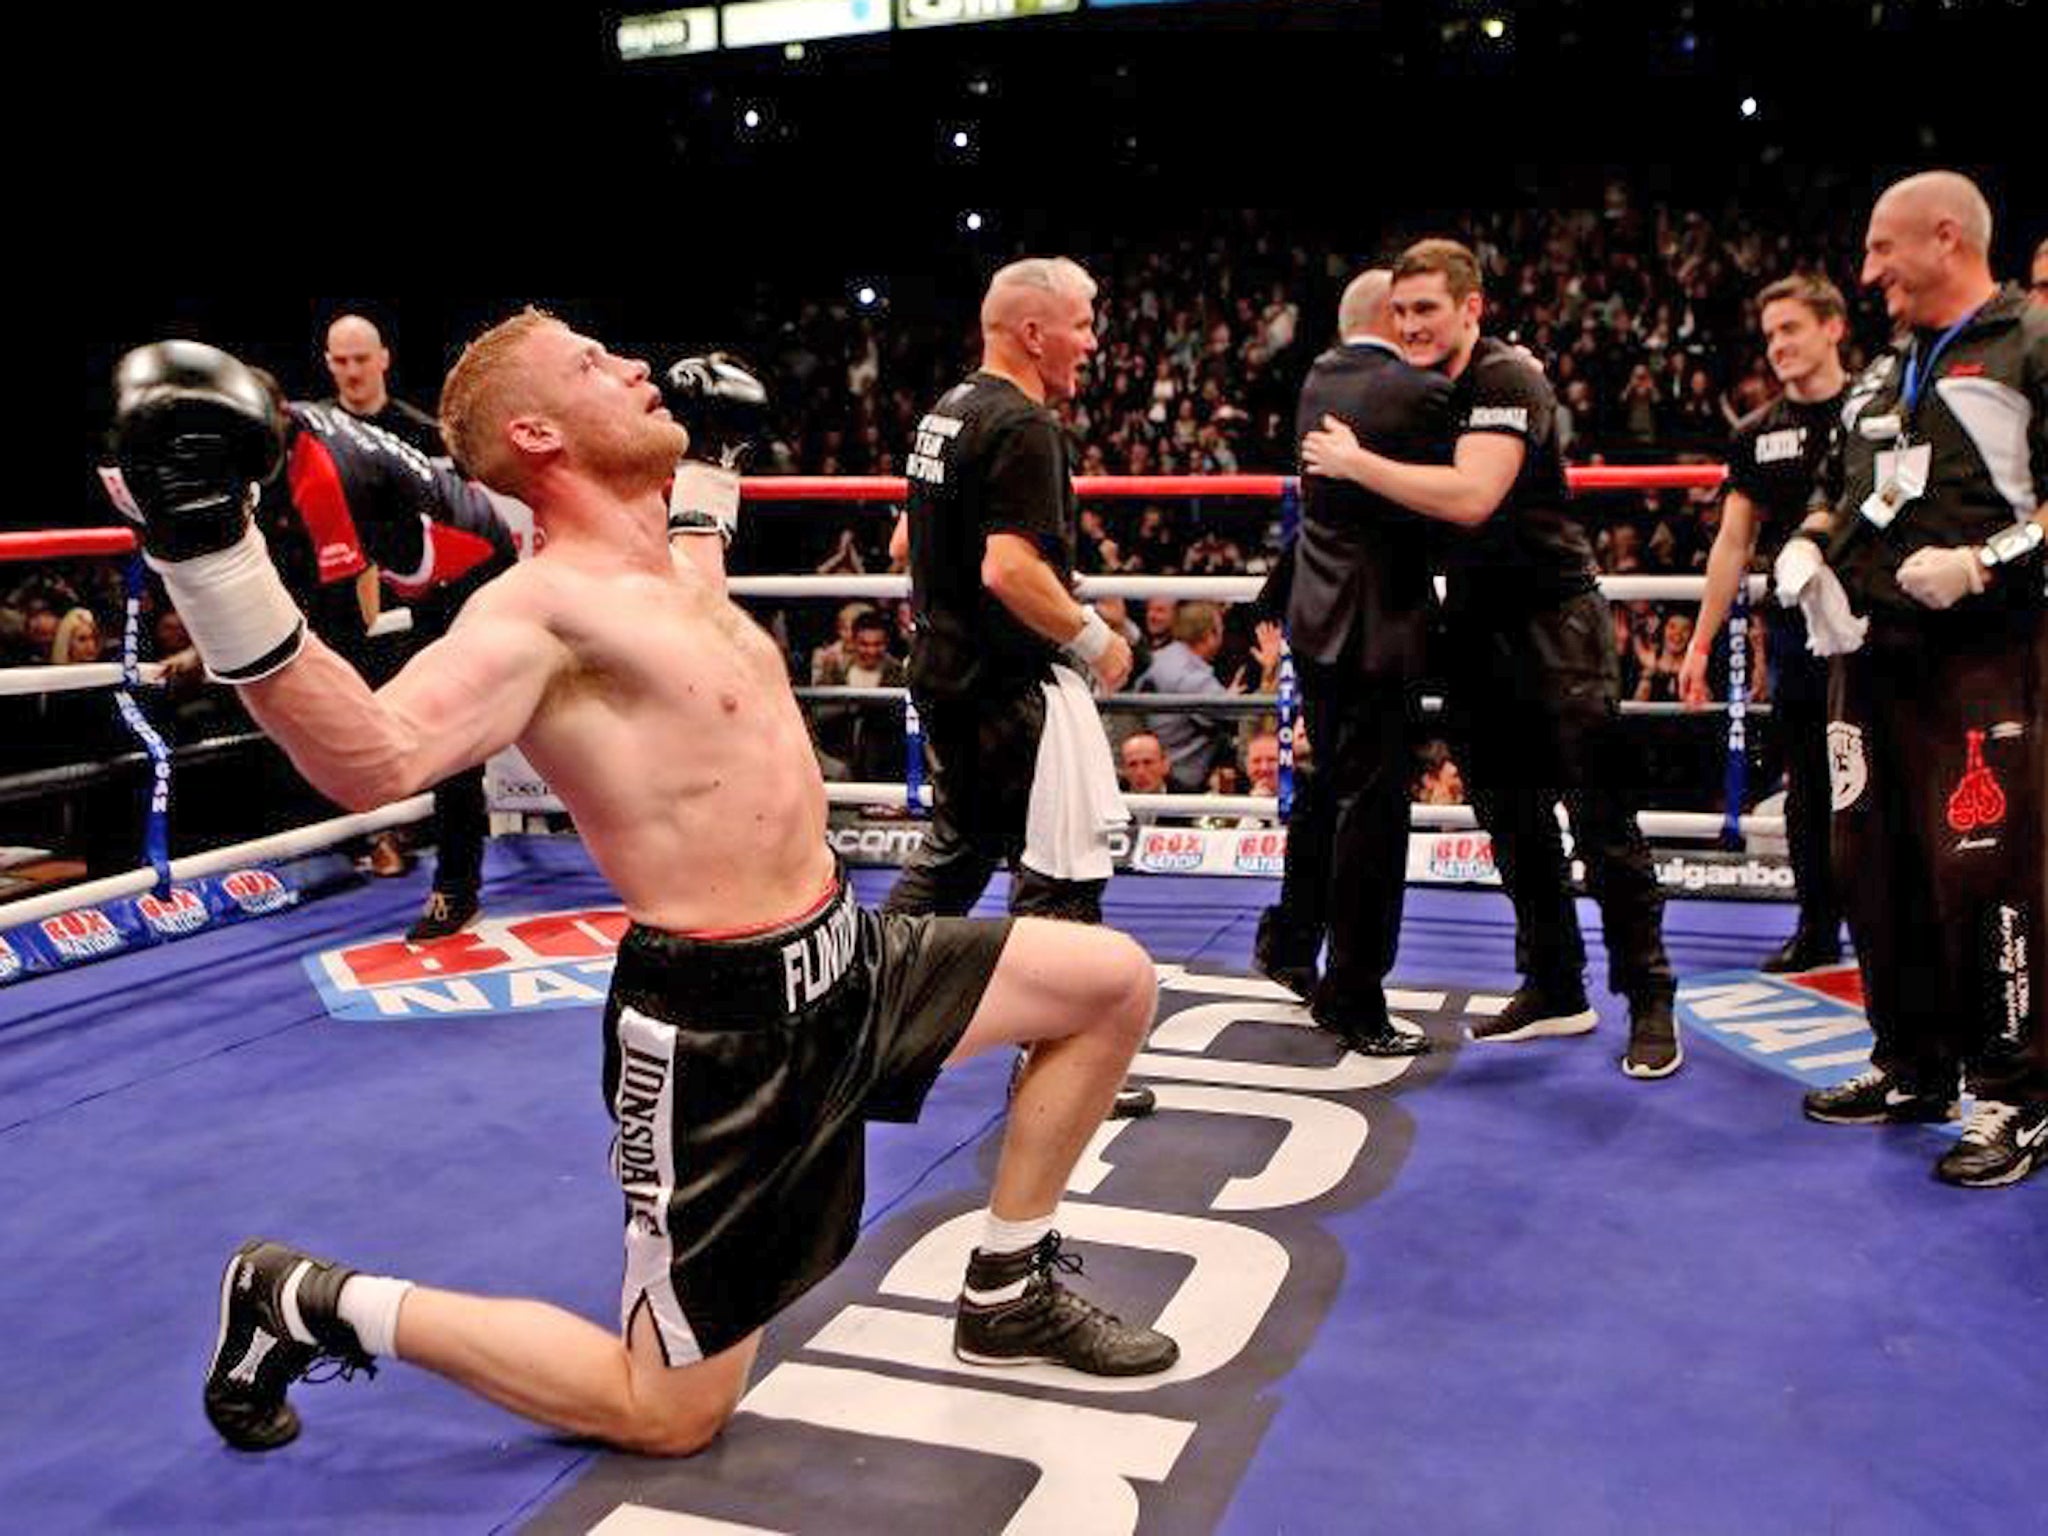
(740, 1072)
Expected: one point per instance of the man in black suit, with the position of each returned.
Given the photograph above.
(1358, 615)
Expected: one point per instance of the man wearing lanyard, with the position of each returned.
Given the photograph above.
(1931, 594)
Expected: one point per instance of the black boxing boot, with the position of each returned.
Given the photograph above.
(1013, 1310)
(278, 1322)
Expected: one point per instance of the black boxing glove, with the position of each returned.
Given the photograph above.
(195, 434)
(718, 398)
(724, 407)
(194, 430)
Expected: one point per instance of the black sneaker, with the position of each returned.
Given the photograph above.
(1653, 1048)
(446, 912)
(1376, 1038)
(1807, 950)
(1278, 957)
(2001, 1144)
(1132, 1101)
(1047, 1323)
(263, 1347)
(1872, 1098)
(1535, 1012)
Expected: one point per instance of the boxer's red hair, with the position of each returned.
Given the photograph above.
(481, 394)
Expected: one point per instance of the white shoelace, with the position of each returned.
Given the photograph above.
(1988, 1121)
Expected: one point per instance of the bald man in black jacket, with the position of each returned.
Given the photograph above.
(1358, 616)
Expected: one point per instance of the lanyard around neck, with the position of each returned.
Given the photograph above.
(1916, 375)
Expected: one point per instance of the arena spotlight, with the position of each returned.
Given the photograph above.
(971, 222)
(866, 296)
(1749, 106)
(1494, 27)
(961, 138)
(751, 119)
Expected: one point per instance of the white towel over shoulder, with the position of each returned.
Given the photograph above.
(1075, 801)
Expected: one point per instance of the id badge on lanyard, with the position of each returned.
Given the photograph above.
(1902, 469)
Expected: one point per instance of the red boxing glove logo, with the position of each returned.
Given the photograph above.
(1976, 801)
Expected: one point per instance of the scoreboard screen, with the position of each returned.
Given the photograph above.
(769, 23)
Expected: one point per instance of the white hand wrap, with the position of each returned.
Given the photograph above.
(704, 499)
(1095, 637)
(235, 608)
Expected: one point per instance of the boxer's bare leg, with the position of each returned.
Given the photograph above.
(566, 1372)
(1083, 998)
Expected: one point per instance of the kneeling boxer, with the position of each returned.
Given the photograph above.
(758, 1015)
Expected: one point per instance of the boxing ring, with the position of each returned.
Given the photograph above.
(1496, 1288)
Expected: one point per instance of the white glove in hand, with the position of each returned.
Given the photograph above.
(1832, 629)
(1941, 578)
(1796, 564)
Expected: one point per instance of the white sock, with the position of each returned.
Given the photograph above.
(1004, 1237)
(369, 1305)
(1000, 1236)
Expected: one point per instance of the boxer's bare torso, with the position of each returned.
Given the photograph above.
(658, 711)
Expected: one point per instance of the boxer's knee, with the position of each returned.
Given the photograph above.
(670, 1429)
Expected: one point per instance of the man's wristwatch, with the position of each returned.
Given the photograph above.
(2010, 544)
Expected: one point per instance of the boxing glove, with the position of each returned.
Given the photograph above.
(724, 406)
(195, 434)
(718, 398)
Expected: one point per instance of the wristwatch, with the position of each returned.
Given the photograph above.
(2010, 544)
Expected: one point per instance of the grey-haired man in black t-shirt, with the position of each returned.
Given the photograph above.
(991, 525)
(1534, 682)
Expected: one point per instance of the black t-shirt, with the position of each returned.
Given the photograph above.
(1776, 461)
(408, 423)
(1980, 423)
(1531, 552)
(987, 459)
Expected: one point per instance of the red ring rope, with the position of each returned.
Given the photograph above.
(53, 544)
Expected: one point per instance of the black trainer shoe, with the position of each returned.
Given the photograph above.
(1535, 1012)
(1376, 1038)
(1132, 1101)
(1047, 1323)
(446, 912)
(277, 1323)
(1653, 1047)
(1872, 1098)
(1807, 950)
(1278, 958)
(2000, 1144)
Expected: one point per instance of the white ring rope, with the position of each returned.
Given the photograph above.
(1687, 825)
(1206, 588)
(279, 845)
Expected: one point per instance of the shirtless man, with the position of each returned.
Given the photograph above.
(758, 1015)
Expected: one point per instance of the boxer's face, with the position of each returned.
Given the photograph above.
(1799, 342)
(601, 411)
(1432, 326)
